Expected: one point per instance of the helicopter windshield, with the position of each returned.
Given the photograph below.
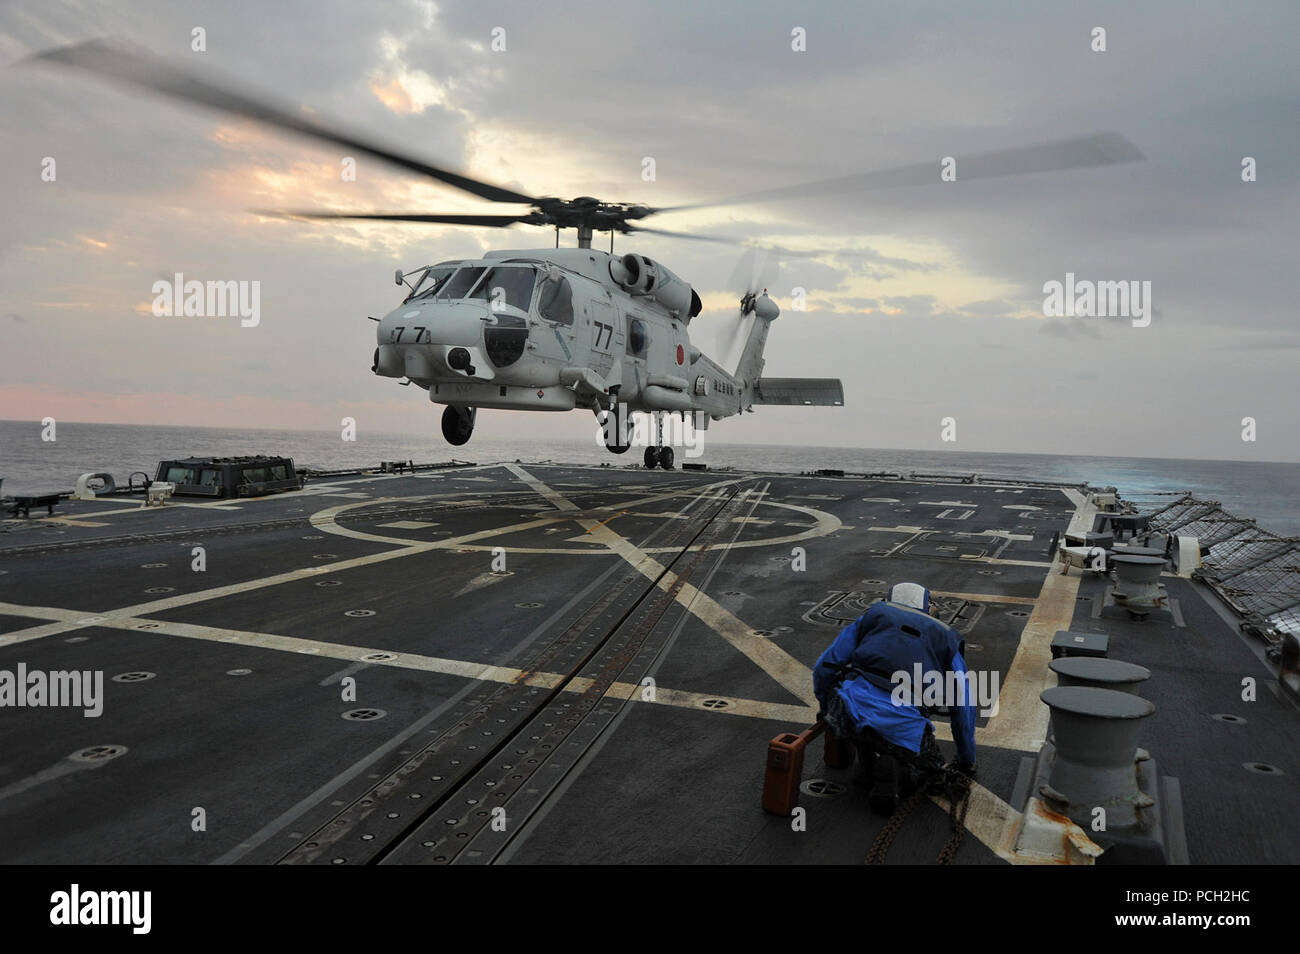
(433, 279)
(459, 284)
(507, 285)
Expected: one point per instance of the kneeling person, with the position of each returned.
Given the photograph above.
(855, 682)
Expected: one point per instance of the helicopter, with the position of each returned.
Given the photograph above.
(564, 328)
(557, 329)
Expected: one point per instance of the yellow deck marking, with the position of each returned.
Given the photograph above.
(774, 660)
(1022, 718)
(989, 819)
(323, 520)
(994, 561)
(126, 505)
(785, 669)
(1005, 534)
(553, 497)
(824, 524)
(988, 598)
(767, 655)
(234, 589)
(603, 522)
(750, 708)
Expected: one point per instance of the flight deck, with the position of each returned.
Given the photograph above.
(538, 663)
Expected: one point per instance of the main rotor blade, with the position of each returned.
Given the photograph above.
(450, 218)
(1100, 149)
(685, 235)
(144, 69)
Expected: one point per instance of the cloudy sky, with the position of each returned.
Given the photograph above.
(926, 301)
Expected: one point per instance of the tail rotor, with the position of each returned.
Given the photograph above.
(757, 270)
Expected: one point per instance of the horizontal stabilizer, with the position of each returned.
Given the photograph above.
(815, 392)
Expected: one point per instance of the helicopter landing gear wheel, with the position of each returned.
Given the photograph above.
(617, 426)
(458, 424)
(651, 458)
(665, 457)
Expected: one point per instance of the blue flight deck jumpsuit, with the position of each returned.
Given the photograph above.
(886, 639)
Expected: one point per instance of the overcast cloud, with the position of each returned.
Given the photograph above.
(927, 301)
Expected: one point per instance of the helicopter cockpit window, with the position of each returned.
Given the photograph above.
(555, 303)
(433, 279)
(458, 285)
(508, 285)
(636, 338)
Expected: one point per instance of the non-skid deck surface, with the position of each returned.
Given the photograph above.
(537, 663)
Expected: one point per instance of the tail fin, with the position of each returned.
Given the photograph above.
(750, 366)
(751, 362)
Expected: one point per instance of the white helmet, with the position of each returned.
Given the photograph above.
(911, 594)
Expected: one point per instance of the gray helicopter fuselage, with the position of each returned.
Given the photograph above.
(552, 330)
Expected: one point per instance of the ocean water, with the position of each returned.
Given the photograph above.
(1269, 492)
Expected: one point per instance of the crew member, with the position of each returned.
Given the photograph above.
(865, 683)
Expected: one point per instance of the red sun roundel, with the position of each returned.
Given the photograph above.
(681, 355)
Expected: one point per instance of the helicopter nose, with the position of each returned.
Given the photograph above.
(432, 340)
(435, 323)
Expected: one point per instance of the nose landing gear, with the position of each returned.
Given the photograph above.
(458, 424)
